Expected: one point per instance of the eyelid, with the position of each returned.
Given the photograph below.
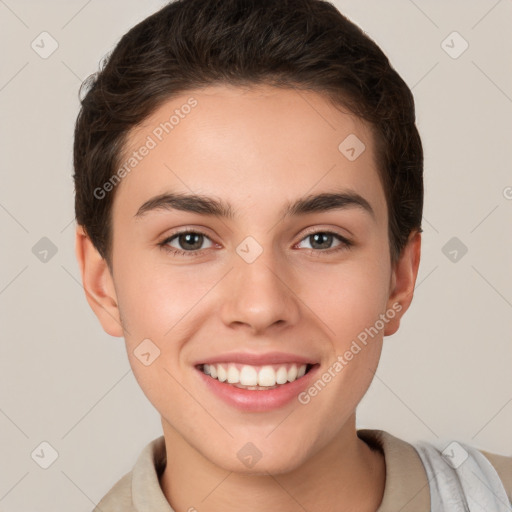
(309, 231)
(187, 230)
(319, 229)
(345, 243)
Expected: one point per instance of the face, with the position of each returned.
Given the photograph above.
(238, 285)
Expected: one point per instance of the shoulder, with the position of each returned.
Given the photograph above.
(406, 487)
(503, 466)
(460, 473)
(141, 486)
(119, 498)
(424, 476)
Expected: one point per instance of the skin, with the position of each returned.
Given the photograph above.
(257, 149)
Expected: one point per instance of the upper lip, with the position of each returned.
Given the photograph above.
(256, 359)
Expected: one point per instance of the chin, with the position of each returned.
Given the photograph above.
(254, 461)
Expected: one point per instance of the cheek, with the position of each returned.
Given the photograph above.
(348, 297)
(153, 298)
(350, 301)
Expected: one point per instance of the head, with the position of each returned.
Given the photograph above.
(297, 140)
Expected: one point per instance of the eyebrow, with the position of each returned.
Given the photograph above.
(204, 205)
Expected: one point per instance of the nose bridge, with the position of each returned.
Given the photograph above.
(257, 292)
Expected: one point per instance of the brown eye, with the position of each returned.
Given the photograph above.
(186, 242)
(192, 241)
(324, 240)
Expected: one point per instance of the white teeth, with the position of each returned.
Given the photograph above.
(267, 376)
(221, 373)
(282, 375)
(292, 373)
(246, 375)
(233, 374)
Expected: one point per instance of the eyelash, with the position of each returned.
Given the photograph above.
(344, 245)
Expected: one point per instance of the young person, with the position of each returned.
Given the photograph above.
(249, 199)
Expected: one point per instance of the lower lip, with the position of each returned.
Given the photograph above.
(258, 400)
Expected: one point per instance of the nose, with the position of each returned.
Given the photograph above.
(259, 296)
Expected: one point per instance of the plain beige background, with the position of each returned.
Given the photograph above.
(445, 375)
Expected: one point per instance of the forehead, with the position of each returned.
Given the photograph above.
(257, 146)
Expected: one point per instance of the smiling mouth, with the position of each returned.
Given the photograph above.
(256, 378)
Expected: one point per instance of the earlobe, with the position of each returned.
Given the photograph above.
(403, 280)
(98, 284)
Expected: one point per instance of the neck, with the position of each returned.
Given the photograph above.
(345, 475)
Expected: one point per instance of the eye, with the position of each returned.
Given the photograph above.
(323, 240)
(188, 243)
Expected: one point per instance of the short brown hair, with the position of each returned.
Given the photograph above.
(188, 44)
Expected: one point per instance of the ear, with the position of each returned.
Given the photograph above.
(403, 279)
(98, 284)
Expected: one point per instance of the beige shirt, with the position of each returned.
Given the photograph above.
(406, 488)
